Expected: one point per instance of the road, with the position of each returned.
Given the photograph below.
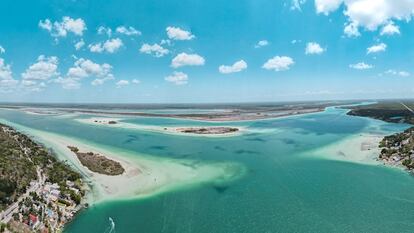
(408, 108)
(7, 214)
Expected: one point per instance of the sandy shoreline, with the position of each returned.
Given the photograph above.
(361, 148)
(104, 121)
(144, 175)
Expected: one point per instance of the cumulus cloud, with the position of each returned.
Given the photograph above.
(390, 29)
(278, 63)
(178, 78)
(314, 48)
(129, 31)
(360, 66)
(236, 67)
(377, 48)
(327, 6)
(401, 73)
(7, 82)
(109, 46)
(156, 50)
(176, 33)
(62, 28)
(261, 43)
(84, 68)
(38, 73)
(369, 14)
(79, 44)
(102, 30)
(122, 83)
(351, 29)
(184, 59)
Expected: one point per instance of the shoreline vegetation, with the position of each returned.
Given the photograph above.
(37, 192)
(396, 149)
(98, 163)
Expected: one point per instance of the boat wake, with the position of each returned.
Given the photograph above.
(111, 228)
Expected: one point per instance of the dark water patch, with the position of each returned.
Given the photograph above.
(220, 148)
(256, 139)
(131, 138)
(251, 152)
(181, 156)
(220, 188)
(288, 141)
(157, 148)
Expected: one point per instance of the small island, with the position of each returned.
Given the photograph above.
(208, 130)
(98, 163)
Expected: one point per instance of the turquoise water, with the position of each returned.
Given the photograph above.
(284, 190)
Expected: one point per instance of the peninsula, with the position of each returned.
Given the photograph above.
(37, 192)
(396, 149)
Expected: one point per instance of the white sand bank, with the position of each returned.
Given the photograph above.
(144, 175)
(361, 148)
(104, 121)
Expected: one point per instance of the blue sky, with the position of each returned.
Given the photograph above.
(205, 51)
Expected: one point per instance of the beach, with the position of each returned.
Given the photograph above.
(144, 175)
(118, 123)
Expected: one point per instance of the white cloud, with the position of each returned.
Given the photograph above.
(278, 63)
(178, 78)
(165, 42)
(79, 44)
(104, 30)
(135, 81)
(129, 31)
(369, 14)
(360, 66)
(401, 73)
(176, 33)
(84, 68)
(377, 48)
(327, 6)
(45, 68)
(296, 4)
(2, 50)
(261, 43)
(109, 46)
(7, 83)
(62, 28)
(155, 50)
(184, 59)
(314, 48)
(122, 83)
(390, 29)
(351, 29)
(236, 67)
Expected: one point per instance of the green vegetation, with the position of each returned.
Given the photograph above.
(20, 158)
(389, 111)
(98, 163)
(399, 148)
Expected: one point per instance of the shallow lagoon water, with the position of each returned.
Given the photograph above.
(284, 190)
